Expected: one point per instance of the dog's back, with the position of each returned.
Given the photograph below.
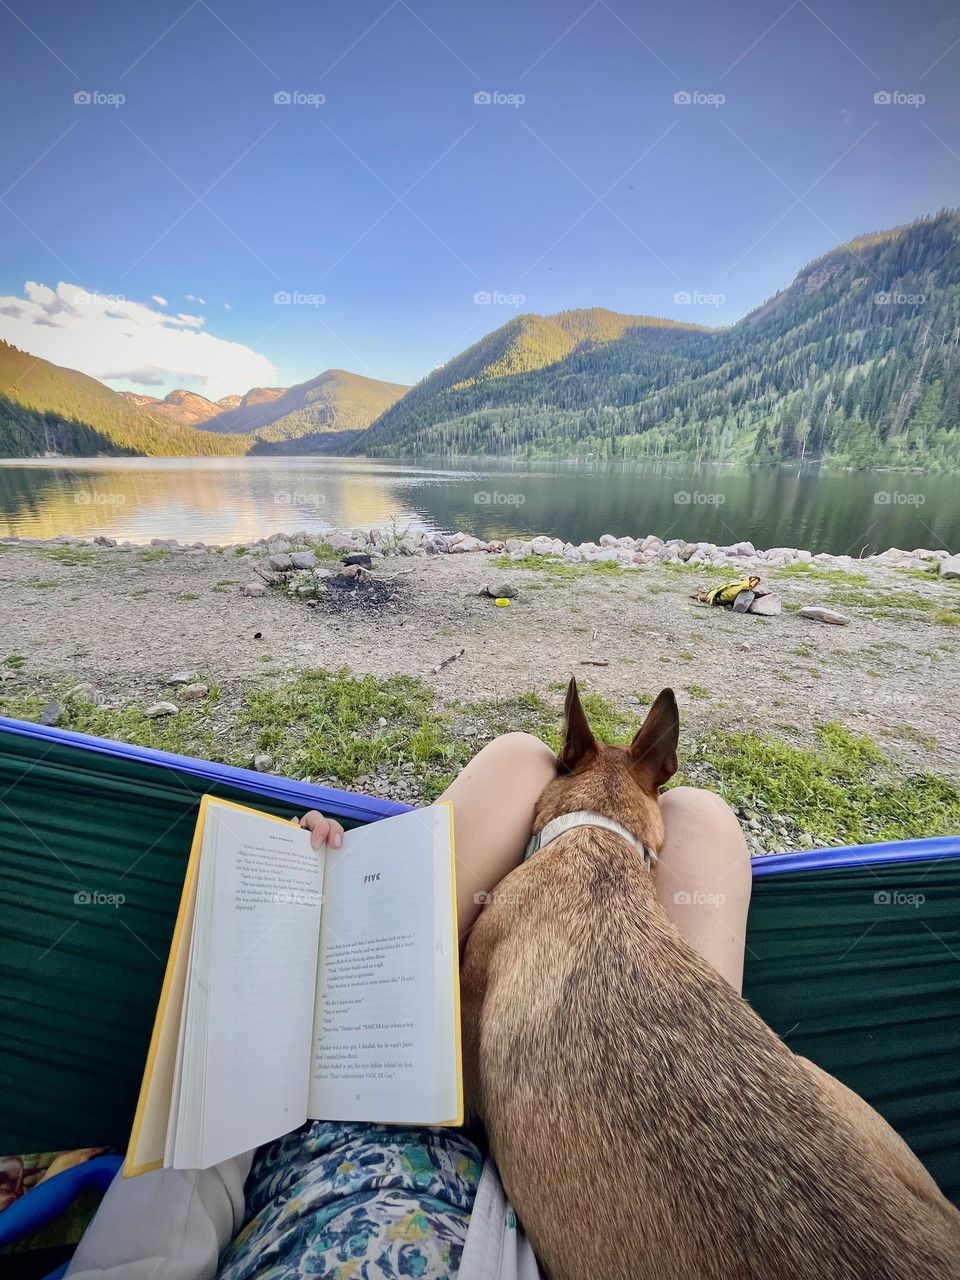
(645, 1121)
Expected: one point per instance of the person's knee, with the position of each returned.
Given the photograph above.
(697, 802)
(521, 751)
(686, 809)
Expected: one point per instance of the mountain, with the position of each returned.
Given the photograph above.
(184, 407)
(328, 411)
(856, 361)
(258, 395)
(527, 344)
(48, 409)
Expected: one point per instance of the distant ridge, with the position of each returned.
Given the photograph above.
(331, 408)
(45, 408)
(857, 361)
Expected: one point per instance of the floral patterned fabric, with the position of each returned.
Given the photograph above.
(357, 1202)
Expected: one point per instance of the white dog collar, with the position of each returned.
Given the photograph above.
(582, 818)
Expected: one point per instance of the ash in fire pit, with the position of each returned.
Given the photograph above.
(363, 593)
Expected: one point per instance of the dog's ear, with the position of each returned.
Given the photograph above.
(579, 744)
(654, 749)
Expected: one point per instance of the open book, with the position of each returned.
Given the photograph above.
(303, 985)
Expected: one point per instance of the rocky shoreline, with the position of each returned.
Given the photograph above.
(627, 552)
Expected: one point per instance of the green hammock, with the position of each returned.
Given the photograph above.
(844, 959)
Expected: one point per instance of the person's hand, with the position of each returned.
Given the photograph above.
(322, 830)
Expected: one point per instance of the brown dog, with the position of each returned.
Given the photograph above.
(646, 1123)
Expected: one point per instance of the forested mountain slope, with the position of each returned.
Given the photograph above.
(857, 360)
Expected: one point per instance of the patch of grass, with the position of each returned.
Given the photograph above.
(909, 734)
(557, 568)
(894, 603)
(43, 586)
(225, 584)
(15, 661)
(188, 733)
(327, 554)
(241, 551)
(685, 655)
(843, 788)
(698, 691)
(328, 722)
(68, 555)
(804, 569)
(182, 595)
(805, 650)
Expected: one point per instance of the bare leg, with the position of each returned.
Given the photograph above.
(703, 877)
(493, 799)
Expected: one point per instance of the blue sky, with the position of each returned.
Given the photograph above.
(400, 198)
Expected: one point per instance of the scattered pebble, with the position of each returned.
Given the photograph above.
(84, 692)
(161, 709)
(820, 614)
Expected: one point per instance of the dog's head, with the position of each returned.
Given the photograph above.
(618, 782)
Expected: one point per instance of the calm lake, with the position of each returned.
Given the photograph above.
(241, 499)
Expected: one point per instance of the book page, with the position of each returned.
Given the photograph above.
(259, 973)
(385, 1031)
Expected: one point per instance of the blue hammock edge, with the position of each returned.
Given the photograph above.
(361, 808)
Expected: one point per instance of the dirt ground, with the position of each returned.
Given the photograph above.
(125, 620)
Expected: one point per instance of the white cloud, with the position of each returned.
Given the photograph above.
(117, 340)
(192, 297)
(161, 302)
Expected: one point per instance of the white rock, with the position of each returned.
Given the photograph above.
(766, 606)
(543, 546)
(950, 568)
(254, 589)
(194, 691)
(303, 560)
(182, 677)
(608, 540)
(161, 709)
(341, 542)
(263, 763)
(819, 614)
(463, 544)
(651, 543)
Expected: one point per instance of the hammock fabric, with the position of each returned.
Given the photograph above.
(853, 955)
